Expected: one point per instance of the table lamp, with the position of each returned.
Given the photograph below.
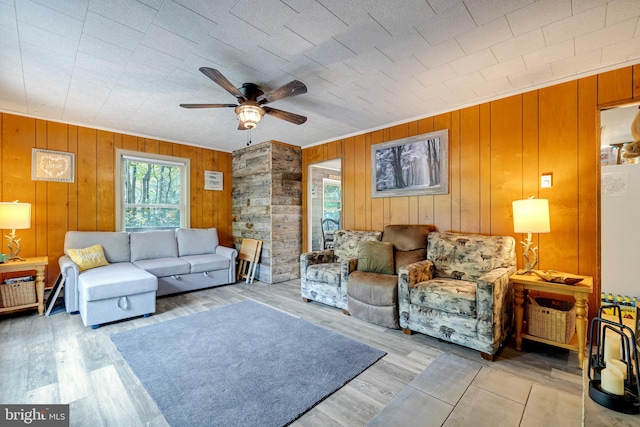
(13, 216)
(530, 216)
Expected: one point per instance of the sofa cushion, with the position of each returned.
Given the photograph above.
(153, 244)
(345, 242)
(114, 243)
(375, 257)
(449, 295)
(197, 241)
(373, 288)
(88, 258)
(409, 243)
(115, 280)
(163, 267)
(206, 262)
(327, 274)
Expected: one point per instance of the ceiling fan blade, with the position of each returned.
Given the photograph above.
(207, 105)
(285, 115)
(293, 88)
(221, 80)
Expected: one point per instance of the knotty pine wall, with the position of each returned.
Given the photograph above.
(498, 151)
(88, 203)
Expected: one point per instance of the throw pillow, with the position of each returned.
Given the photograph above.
(87, 258)
(375, 257)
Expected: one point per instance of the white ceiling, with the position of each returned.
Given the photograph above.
(126, 65)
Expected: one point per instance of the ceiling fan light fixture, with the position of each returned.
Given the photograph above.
(249, 114)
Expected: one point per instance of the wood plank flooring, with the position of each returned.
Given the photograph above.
(55, 359)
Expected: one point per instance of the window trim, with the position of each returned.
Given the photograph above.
(336, 182)
(184, 163)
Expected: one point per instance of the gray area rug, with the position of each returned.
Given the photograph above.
(240, 365)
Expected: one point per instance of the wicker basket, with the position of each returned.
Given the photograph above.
(551, 319)
(19, 293)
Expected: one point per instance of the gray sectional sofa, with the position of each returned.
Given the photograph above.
(142, 265)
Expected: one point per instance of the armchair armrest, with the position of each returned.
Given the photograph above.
(409, 276)
(315, 257)
(347, 266)
(494, 302)
(70, 272)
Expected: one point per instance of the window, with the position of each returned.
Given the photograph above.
(152, 191)
(331, 199)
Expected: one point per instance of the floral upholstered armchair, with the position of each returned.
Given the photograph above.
(324, 274)
(461, 293)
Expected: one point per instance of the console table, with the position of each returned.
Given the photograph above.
(580, 292)
(29, 264)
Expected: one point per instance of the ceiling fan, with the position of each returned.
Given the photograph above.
(251, 100)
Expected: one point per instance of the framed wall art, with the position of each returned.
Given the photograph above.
(418, 165)
(47, 165)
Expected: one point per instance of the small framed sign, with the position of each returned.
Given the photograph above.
(213, 180)
(47, 165)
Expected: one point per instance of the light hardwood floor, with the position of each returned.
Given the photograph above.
(55, 359)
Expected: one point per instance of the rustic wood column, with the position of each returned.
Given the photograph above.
(267, 205)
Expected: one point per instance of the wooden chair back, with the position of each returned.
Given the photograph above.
(248, 259)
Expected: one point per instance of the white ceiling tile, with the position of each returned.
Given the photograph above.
(538, 14)
(624, 30)
(549, 54)
(48, 19)
(10, 60)
(212, 10)
(184, 22)
(493, 88)
(35, 57)
(621, 51)
(8, 16)
(266, 15)
(104, 50)
(363, 36)
(95, 71)
(586, 61)
(503, 69)
(44, 40)
(339, 74)
(237, 33)
(621, 10)
(575, 25)
(580, 6)
(262, 60)
(167, 42)
(471, 63)
(440, 6)
(329, 52)
(532, 76)
(449, 24)
(154, 4)
(369, 61)
(130, 13)
(12, 96)
(74, 8)
(485, 36)
(519, 45)
(435, 75)
(316, 24)
(467, 81)
(400, 21)
(155, 59)
(285, 43)
(111, 31)
(484, 11)
(440, 54)
(404, 68)
(402, 47)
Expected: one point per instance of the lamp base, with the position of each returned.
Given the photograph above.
(14, 246)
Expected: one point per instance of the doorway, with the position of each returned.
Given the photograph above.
(325, 198)
(619, 202)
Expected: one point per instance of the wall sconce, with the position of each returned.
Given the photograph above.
(249, 114)
(530, 216)
(13, 216)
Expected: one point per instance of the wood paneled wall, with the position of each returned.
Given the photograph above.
(88, 203)
(498, 151)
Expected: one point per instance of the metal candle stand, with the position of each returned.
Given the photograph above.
(629, 403)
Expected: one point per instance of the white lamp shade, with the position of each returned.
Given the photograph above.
(531, 216)
(15, 215)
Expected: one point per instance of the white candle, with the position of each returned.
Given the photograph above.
(619, 365)
(612, 347)
(611, 381)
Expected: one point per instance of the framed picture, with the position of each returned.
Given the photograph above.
(418, 165)
(47, 165)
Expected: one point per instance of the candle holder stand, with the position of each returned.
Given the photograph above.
(629, 402)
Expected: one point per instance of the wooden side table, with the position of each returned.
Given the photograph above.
(579, 291)
(29, 264)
